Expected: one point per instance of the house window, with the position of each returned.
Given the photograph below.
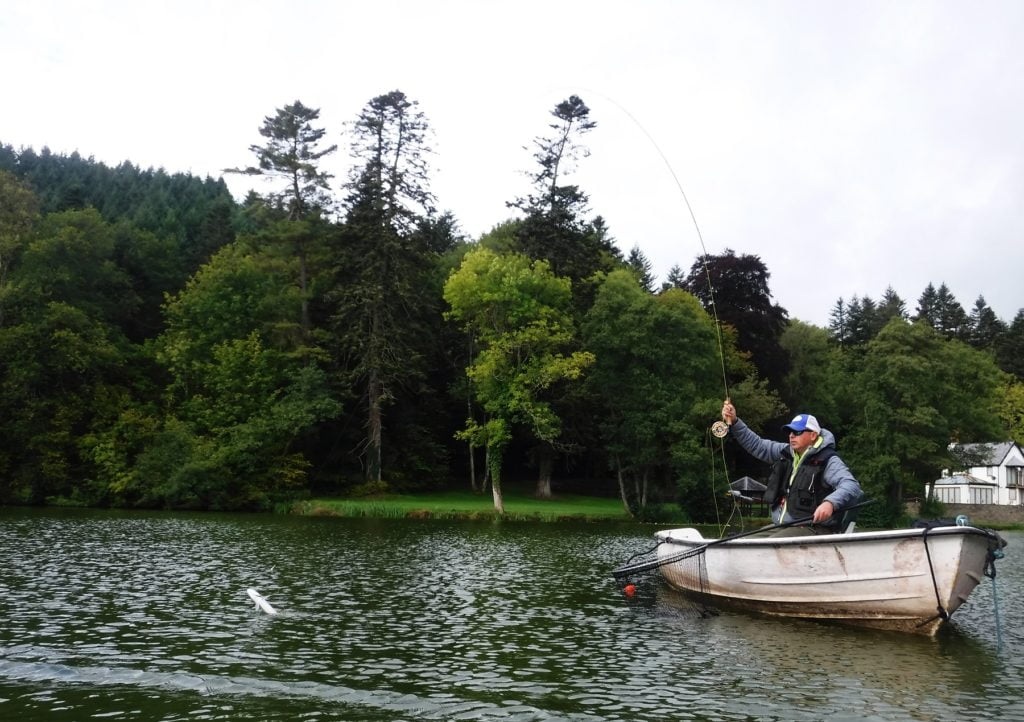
(1014, 475)
(981, 496)
(1013, 496)
(948, 496)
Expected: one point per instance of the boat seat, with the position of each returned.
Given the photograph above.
(848, 520)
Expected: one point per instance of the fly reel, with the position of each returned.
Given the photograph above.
(720, 429)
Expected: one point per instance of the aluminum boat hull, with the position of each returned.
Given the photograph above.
(882, 579)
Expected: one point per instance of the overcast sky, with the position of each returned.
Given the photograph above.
(851, 145)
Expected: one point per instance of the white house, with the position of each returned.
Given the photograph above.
(992, 474)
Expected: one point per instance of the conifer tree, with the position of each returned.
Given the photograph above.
(950, 315)
(675, 278)
(291, 158)
(891, 306)
(838, 325)
(554, 228)
(927, 307)
(376, 304)
(641, 268)
(985, 326)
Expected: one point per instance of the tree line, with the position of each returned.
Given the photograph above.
(163, 345)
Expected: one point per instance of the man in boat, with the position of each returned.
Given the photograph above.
(808, 478)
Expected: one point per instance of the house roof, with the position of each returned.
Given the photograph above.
(992, 454)
(958, 479)
(745, 483)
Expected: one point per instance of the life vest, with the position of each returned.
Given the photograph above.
(808, 489)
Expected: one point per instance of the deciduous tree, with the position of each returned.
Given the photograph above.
(915, 392)
(656, 368)
(518, 312)
(737, 286)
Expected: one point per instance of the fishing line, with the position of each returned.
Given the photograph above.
(719, 429)
(696, 226)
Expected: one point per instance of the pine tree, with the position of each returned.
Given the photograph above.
(951, 317)
(675, 279)
(554, 228)
(642, 268)
(838, 326)
(985, 326)
(927, 310)
(1010, 347)
(291, 157)
(377, 304)
(891, 306)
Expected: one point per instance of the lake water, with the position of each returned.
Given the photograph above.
(144, 616)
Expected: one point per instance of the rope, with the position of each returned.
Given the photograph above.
(994, 552)
(943, 614)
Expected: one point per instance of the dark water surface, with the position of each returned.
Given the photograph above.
(136, 616)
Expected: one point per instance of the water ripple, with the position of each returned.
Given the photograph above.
(133, 615)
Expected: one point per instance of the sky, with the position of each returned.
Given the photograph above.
(851, 145)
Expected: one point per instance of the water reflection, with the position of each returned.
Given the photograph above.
(862, 667)
(145, 616)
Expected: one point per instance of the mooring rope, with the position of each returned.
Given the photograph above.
(943, 614)
(994, 552)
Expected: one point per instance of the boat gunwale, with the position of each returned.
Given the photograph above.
(841, 538)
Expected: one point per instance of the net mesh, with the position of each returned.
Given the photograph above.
(685, 569)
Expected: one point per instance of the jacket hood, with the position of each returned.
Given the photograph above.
(828, 440)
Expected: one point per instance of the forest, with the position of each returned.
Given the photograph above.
(163, 345)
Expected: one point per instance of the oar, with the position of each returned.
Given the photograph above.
(631, 569)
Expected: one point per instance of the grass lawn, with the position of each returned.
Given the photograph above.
(519, 504)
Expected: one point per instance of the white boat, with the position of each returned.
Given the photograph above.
(906, 579)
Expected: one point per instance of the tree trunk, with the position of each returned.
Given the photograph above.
(373, 428)
(472, 468)
(374, 395)
(303, 283)
(495, 466)
(485, 482)
(545, 460)
(469, 415)
(622, 488)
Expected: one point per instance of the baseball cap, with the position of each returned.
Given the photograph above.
(803, 422)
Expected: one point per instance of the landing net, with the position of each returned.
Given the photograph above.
(686, 569)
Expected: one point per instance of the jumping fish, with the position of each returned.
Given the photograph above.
(261, 603)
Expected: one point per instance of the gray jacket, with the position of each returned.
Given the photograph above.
(846, 490)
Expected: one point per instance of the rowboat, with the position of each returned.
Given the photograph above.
(909, 580)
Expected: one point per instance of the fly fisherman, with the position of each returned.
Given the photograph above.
(808, 477)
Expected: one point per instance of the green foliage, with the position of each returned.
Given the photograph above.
(656, 367)
(68, 368)
(292, 156)
(931, 508)
(1011, 408)
(151, 356)
(915, 392)
(178, 207)
(390, 184)
(517, 310)
(814, 380)
(383, 304)
(736, 287)
(555, 228)
(1010, 347)
(243, 389)
(19, 212)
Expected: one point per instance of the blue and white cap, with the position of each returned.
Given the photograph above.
(803, 422)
